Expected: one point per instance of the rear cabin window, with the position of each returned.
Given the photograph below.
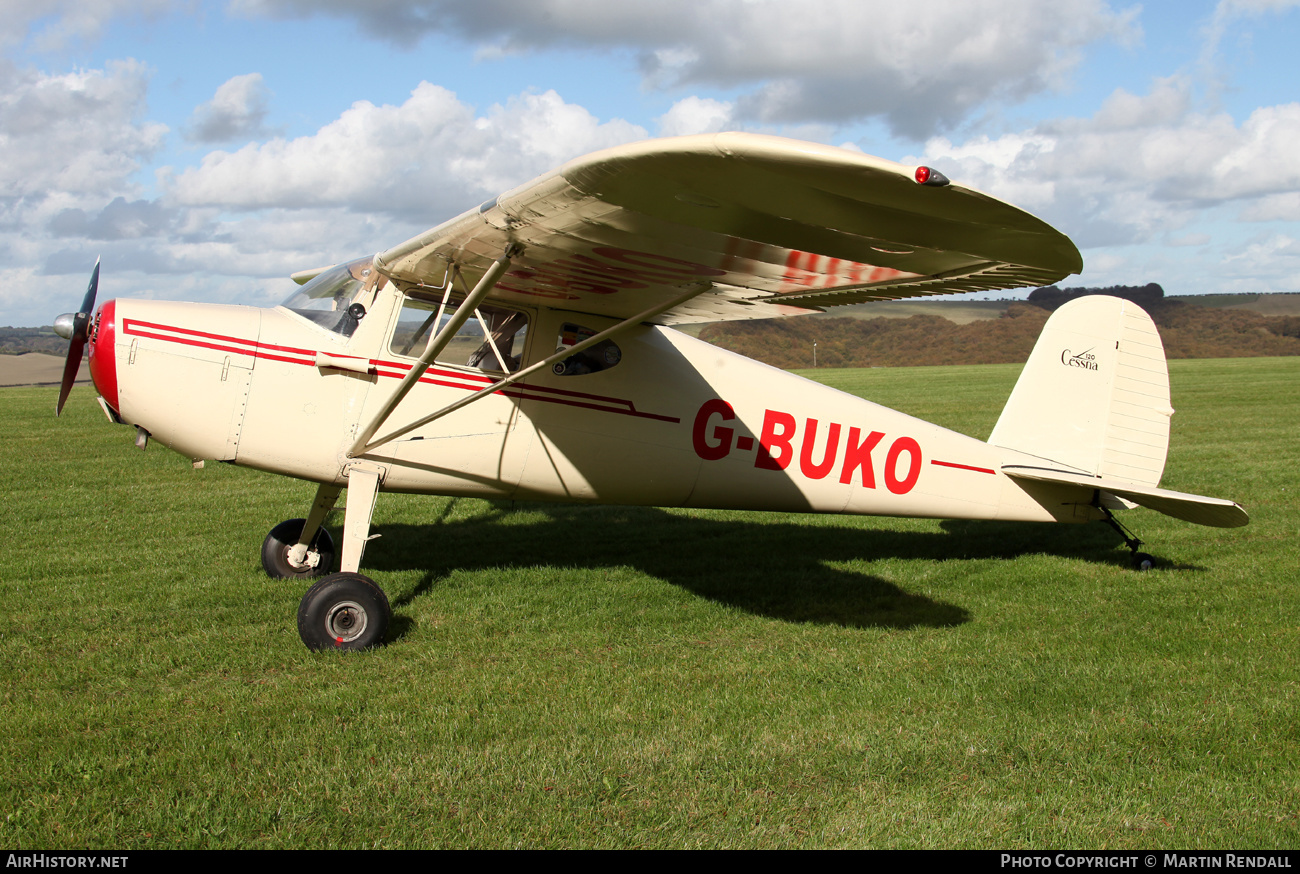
(491, 340)
(594, 359)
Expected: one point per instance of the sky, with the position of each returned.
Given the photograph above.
(207, 150)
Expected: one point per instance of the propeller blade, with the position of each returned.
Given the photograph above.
(77, 346)
(70, 368)
(88, 302)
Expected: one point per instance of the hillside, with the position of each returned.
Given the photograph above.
(20, 341)
(36, 368)
(1188, 331)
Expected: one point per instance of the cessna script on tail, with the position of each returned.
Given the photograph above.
(524, 350)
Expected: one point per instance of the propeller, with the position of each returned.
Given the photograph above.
(74, 327)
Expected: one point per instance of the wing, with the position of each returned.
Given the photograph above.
(765, 226)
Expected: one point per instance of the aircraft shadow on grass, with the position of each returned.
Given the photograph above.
(731, 562)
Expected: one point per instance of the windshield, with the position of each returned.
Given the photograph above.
(330, 298)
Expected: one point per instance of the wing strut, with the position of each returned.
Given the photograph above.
(437, 342)
(529, 370)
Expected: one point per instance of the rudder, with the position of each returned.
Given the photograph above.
(1094, 395)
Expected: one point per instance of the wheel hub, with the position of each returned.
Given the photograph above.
(302, 557)
(345, 622)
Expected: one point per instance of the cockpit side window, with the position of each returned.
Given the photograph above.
(491, 340)
(332, 299)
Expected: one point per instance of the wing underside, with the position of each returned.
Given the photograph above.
(763, 226)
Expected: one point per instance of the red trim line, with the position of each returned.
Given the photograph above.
(632, 411)
(389, 369)
(576, 394)
(962, 466)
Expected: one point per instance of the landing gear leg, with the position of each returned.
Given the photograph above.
(301, 548)
(326, 495)
(362, 486)
(1142, 561)
(347, 611)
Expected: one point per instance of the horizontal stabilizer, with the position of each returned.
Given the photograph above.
(1215, 512)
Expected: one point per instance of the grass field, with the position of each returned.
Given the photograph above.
(610, 677)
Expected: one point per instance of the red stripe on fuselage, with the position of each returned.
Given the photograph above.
(388, 369)
(962, 466)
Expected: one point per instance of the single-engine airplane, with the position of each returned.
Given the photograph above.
(524, 350)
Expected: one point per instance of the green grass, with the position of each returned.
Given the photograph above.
(625, 677)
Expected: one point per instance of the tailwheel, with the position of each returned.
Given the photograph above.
(1142, 561)
(344, 611)
(280, 559)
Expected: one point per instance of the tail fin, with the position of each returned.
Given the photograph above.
(1092, 404)
(1094, 396)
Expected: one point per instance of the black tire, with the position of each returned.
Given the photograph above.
(345, 612)
(276, 546)
(1143, 562)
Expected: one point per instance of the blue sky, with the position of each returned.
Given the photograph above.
(208, 149)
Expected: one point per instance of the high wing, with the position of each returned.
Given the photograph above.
(761, 226)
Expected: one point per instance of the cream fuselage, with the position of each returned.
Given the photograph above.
(677, 422)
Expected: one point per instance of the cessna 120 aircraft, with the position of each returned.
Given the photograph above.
(524, 350)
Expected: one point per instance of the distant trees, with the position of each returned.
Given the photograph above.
(17, 341)
(1050, 297)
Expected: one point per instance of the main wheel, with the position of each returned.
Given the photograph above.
(1143, 562)
(344, 611)
(283, 537)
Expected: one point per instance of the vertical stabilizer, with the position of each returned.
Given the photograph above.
(1094, 395)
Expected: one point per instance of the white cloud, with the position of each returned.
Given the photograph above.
(1228, 11)
(69, 147)
(1255, 6)
(371, 178)
(1107, 264)
(1261, 158)
(74, 134)
(1139, 166)
(199, 256)
(697, 115)
(1144, 167)
(1270, 264)
(920, 67)
(119, 220)
(1277, 246)
(429, 157)
(1274, 207)
(60, 23)
(236, 111)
